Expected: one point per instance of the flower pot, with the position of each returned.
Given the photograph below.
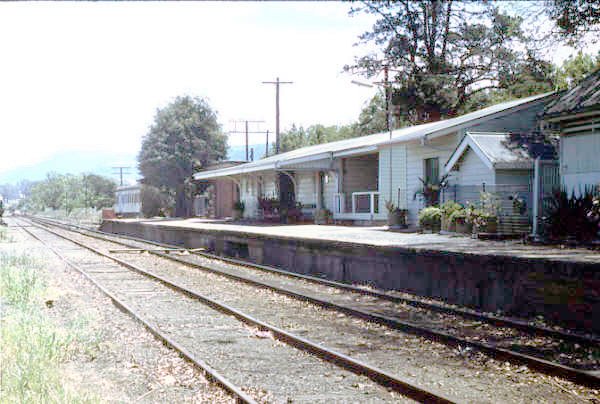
(447, 224)
(463, 227)
(491, 226)
(238, 214)
(396, 219)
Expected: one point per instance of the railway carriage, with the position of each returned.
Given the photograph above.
(128, 201)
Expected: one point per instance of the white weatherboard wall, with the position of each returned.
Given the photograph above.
(472, 171)
(514, 177)
(399, 189)
(441, 148)
(269, 185)
(306, 188)
(329, 189)
(249, 195)
(580, 161)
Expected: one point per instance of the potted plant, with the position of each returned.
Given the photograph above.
(483, 221)
(448, 208)
(322, 216)
(458, 218)
(396, 216)
(238, 210)
(429, 191)
(430, 219)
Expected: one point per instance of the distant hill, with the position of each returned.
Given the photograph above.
(74, 162)
(238, 153)
(101, 163)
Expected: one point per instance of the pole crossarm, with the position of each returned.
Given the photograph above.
(277, 82)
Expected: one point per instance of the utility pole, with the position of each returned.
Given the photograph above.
(120, 172)
(246, 132)
(277, 82)
(267, 146)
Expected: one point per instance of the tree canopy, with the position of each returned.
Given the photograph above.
(575, 18)
(443, 53)
(184, 137)
(68, 191)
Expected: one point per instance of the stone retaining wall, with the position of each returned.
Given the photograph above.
(564, 292)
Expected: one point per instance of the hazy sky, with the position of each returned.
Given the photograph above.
(90, 76)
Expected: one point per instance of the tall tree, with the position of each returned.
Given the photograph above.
(184, 137)
(575, 18)
(441, 52)
(574, 69)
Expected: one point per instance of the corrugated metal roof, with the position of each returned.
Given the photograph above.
(497, 147)
(504, 150)
(585, 96)
(328, 150)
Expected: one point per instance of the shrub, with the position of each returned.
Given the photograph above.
(154, 202)
(458, 215)
(430, 217)
(450, 207)
(572, 216)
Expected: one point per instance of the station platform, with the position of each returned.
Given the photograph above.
(560, 284)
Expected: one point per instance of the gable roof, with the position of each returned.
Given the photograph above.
(584, 97)
(501, 150)
(371, 143)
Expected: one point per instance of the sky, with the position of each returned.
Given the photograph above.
(89, 76)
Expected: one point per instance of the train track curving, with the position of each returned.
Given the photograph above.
(116, 280)
(555, 352)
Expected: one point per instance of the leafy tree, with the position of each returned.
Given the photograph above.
(98, 191)
(442, 53)
(575, 18)
(154, 202)
(68, 192)
(575, 69)
(184, 137)
(373, 117)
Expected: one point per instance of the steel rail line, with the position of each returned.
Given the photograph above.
(587, 378)
(346, 362)
(206, 369)
(500, 321)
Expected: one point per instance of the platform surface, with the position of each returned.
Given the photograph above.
(381, 237)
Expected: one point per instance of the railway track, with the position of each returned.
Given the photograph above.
(539, 348)
(324, 375)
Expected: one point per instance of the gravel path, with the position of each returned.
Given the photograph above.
(463, 375)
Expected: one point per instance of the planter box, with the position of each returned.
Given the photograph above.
(463, 227)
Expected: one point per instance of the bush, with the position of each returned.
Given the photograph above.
(458, 215)
(430, 218)
(572, 216)
(154, 202)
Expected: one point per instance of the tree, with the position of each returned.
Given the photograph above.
(575, 18)
(184, 137)
(575, 69)
(442, 53)
(68, 192)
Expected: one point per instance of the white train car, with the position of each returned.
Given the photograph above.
(128, 201)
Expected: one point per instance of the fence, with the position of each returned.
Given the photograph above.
(513, 203)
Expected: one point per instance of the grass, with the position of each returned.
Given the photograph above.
(4, 236)
(32, 346)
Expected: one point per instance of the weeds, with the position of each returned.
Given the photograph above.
(4, 236)
(32, 346)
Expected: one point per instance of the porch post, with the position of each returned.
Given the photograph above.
(536, 197)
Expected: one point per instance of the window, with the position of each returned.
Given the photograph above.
(432, 171)
(432, 177)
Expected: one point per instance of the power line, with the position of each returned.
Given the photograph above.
(120, 171)
(247, 132)
(277, 82)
